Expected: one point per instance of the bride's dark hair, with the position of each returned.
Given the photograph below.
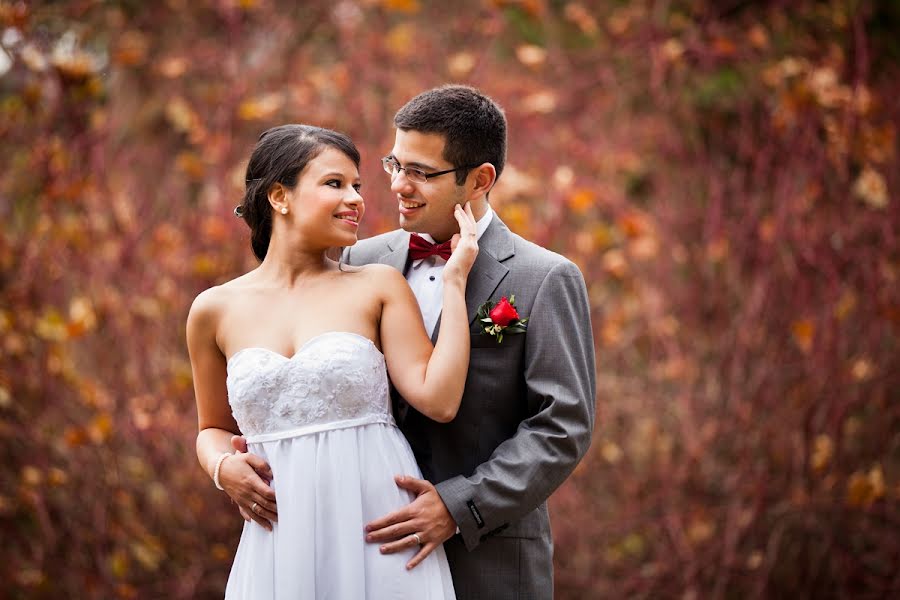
(280, 156)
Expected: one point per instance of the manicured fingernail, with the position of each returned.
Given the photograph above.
(369, 538)
(383, 549)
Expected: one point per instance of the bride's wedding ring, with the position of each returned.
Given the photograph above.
(418, 539)
(255, 507)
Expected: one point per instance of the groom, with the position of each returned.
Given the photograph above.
(528, 408)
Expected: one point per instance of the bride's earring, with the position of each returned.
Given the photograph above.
(284, 210)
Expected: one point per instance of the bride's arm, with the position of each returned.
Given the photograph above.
(430, 378)
(237, 474)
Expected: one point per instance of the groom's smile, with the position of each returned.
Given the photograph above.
(425, 206)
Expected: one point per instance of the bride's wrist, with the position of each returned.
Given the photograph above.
(217, 469)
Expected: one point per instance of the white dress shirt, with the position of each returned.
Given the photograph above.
(424, 277)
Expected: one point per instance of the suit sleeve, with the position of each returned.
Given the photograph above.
(560, 388)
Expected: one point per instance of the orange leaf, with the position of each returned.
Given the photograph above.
(803, 332)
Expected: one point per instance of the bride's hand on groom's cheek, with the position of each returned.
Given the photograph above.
(245, 477)
(424, 523)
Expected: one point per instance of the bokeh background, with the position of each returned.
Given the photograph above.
(724, 172)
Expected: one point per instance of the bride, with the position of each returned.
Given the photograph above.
(295, 354)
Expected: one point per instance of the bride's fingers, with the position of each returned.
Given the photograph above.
(465, 218)
(420, 556)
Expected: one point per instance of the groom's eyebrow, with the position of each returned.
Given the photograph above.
(418, 165)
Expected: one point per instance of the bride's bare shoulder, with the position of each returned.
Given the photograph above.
(381, 274)
(210, 302)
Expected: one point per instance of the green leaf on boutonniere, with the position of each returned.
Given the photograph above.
(501, 318)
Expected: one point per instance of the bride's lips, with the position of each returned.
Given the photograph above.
(349, 217)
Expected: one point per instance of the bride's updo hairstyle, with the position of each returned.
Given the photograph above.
(280, 156)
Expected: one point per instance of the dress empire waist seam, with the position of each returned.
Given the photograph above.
(385, 419)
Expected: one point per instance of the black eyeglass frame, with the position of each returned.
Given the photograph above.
(389, 162)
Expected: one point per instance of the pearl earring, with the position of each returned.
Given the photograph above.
(284, 210)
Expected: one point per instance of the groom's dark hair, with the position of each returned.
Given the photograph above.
(472, 124)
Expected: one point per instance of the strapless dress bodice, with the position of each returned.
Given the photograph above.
(337, 379)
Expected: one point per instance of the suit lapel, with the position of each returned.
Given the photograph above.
(494, 247)
(398, 251)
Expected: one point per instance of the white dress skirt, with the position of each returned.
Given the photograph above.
(322, 420)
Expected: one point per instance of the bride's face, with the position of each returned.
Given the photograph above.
(325, 205)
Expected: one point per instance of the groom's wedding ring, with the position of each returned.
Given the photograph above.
(418, 539)
(255, 507)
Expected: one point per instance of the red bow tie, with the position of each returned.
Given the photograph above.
(419, 247)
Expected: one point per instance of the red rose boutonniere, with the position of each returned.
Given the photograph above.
(501, 318)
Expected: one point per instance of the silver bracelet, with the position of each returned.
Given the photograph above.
(219, 462)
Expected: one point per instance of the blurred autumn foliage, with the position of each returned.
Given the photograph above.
(724, 172)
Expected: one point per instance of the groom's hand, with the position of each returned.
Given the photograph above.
(266, 512)
(426, 516)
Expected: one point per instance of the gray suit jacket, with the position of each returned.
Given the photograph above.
(525, 419)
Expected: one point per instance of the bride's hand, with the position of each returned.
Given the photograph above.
(463, 244)
(241, 476)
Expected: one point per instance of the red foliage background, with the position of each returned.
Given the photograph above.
(725, 174)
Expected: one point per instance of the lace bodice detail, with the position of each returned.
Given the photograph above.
(334, 377)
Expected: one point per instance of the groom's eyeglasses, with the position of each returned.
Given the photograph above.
(392, 167)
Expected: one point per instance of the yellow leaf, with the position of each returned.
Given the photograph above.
(614, 263)
(863, 489)
(644, 248)
(118, 564)
(400, 39)
(611, 452)
(581, 200)
(862, 369)
(100, 428)
(672, 50)
(191, 165)
(531, 55)
(148, 554)
(461, 64)
(181, 115)
(57, 477)
(700, 530)
(220, 552)
(131, 49)
(173, 67)
(32, 476)
(51, 326)
(204, 266)
(845, 305)
(823, 448)
(871, 188)
(543, 102)
(577, 14)
(81, 314)
(260, 108)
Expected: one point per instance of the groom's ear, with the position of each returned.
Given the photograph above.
(484, 177)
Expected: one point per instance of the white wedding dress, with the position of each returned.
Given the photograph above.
(322, 420)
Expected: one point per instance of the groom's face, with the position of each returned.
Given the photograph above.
(426, 207)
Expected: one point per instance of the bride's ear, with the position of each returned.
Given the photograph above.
(278, 198)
